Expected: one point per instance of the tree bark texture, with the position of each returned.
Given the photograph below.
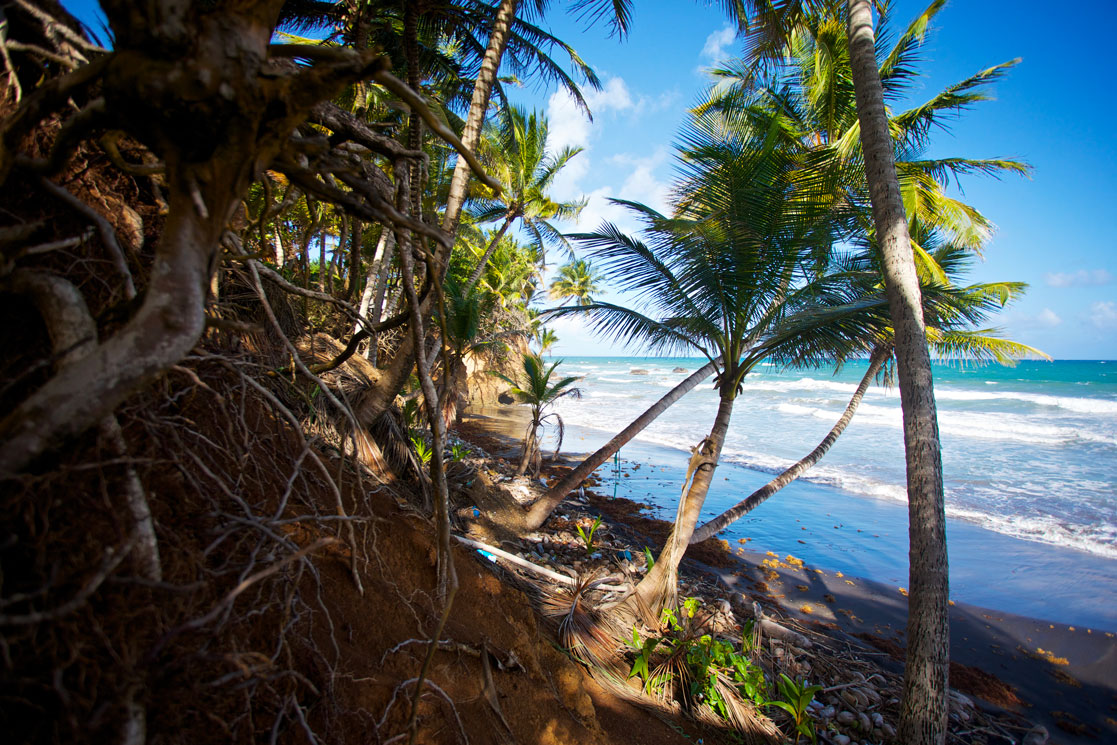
(545, 505)
(923, 717)
(659, 587)
(758, 497)
(194, 83)
(484, 260)
(73, 335)
(478, 107)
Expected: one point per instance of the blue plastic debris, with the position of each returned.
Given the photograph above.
(487, 555)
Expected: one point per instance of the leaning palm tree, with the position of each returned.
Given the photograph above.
(952, 313)
(577, 280)
(924, 708)
(719, 278)
(540, 393)
(816, 91)
(515, 152)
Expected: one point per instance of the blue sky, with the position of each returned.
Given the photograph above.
(1056, 110)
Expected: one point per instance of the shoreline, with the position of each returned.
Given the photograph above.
(1058, 675)
(867, 536)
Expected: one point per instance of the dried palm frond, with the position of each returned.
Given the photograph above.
(583, 631)
(742, 715)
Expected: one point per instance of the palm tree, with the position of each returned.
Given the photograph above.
(546, 339)
(538, 391)
(577, 280)
(719, 278)
(515, 153)
(542, 508)
(465, 312)
(924, 708)
(819, 97)
(952, 313)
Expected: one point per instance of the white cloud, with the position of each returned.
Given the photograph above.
(1045, 319)
(1048, 318)
(568, 125)
(714, 49)
(1103, 314)
(1081, 278)
(613, 95)
(642, 185)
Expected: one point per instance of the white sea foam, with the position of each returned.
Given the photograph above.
(1082, 405)
(984, 426)
(1076, 404)
(987, 426)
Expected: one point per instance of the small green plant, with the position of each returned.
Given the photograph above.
(587, 537)
(715, 673)
(422, 450)
(459, 452)
(654, 682)
(410, 414)
(648, 558)
(715, 667)
(795, 697)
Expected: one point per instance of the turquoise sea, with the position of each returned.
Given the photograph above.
(1029, 456)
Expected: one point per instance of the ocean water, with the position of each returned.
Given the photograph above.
(1029, 457)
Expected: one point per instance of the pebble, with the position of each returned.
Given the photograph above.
(847, 717)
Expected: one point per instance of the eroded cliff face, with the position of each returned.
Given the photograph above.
(486, 389)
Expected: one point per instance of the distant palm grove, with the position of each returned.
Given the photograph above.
(335, 210)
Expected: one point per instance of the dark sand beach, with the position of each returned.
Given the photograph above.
(1057, 675)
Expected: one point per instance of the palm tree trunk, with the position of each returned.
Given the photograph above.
(478, 107)
(484, 260)
(414, 81)
(546, 504)
(280, 258)
(658, 589)
(758, 497)
(372, 301)
(923, 715)
(529, 446)
(356, 242)
(323, 267)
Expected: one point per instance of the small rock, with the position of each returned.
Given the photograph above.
(724, 606)
(847, 717)
(841, 740)
(680, 370)
(863, 718)
(889, 730)
(878, 720)
(1036, 736)
(828, 712)
(637, 371)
